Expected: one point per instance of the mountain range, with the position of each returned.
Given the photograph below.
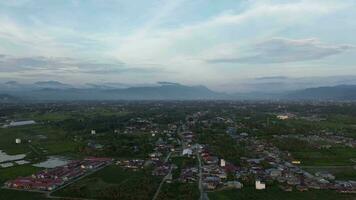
(57, 91)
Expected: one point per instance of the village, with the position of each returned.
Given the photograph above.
(211, 151)
(52, 179)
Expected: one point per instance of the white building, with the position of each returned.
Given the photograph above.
(93, 132)
(222, 163)
(19, 123)
(187, 152)
(260, 185)
(18, 141)
(234, 184)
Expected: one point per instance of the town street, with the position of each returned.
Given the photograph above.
(164, 178)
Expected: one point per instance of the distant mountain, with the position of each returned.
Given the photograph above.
(339, 92)
(5, 98)
(57, 91)
(53, 91)
(107, 85)
(52, 84)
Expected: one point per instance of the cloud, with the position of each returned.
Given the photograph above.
(67, 65)
(175, 36)
(272, 78)
(282, 50)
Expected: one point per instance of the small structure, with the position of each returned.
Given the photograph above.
(93, 132)
(282, 117)
(187, 152)
(234, 184)
(18, 141)
(296, 162)
(222, 163)
(19, 123)
(243, 134)
(260, 185)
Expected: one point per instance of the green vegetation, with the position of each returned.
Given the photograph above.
(223, 145)
(12, 194)
(274, 193)
(113, 182)
(64, 129)
(313, 156)
(340, 172)
(16, 171)
(179, 191)
(181, 163)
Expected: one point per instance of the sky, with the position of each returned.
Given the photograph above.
(219, 44)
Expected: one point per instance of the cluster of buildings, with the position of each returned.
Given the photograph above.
(215, 172)
(139, 125)
(51, 179)
(133, 164)
(189, 175)
(270, 165)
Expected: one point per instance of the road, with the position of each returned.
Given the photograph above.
(203, 194)
(164, 178)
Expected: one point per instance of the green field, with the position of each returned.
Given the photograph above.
(20, 195)
(274, 193)
(113, 182)
(326, 157)
(179, 191)
(13, 172)
(310, 155)
(16, 171)
(340, 172)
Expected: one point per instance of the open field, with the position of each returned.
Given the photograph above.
(340, 172)
(16, 171)
(6, 194)
(324, 157)
(113, 182)
(179, 191)
(310, 155)
(50, 139)
(274, 193)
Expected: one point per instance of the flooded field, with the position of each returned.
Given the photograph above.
(52, 162)
(4, 157)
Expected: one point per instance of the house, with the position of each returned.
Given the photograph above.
(222, 163)
(260, 185)
(187, 152)
(234, 184)
(18, 141)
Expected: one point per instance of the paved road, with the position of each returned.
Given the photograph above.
(167, 157)
(164, 178)
(203, 194)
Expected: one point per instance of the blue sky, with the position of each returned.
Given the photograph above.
(214, 43)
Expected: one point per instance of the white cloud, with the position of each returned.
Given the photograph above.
(282, 50)
(182, 48)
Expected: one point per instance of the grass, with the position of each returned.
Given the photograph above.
(16, 171)
(274, 193)
(313, 156)
(340, 173)
(113, 182)
(326, 157)
(55, 141)
(179, 191)
(20, 195)
(181, 163)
